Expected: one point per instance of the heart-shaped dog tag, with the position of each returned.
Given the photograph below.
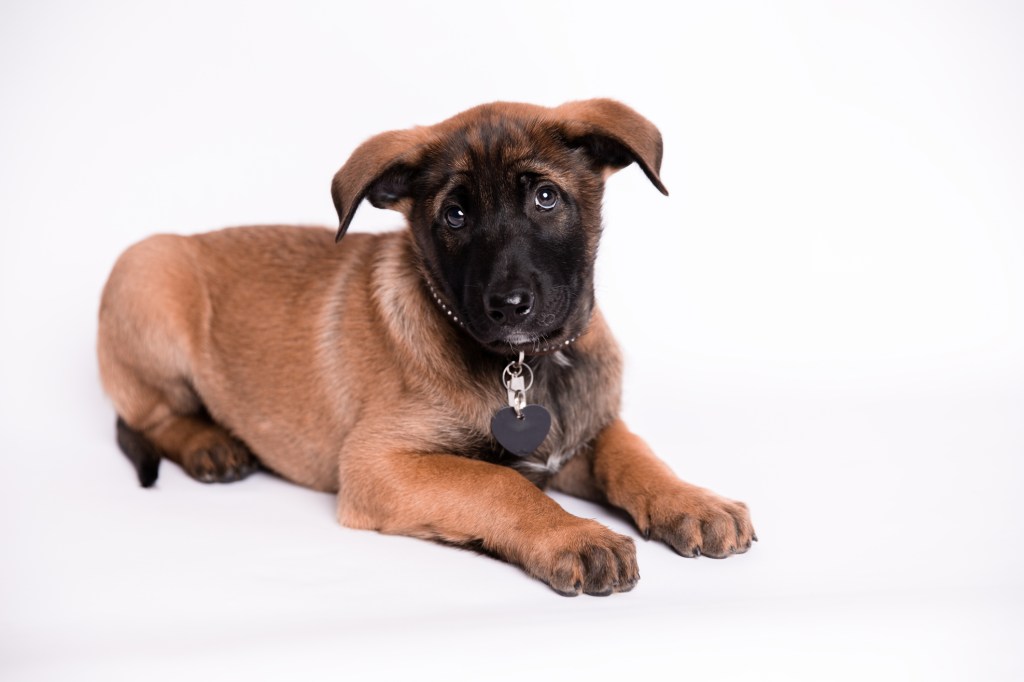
(521, 435)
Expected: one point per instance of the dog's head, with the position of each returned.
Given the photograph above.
(504, 202)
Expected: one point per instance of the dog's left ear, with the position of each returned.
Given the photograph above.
(613, 135)
(381, 170)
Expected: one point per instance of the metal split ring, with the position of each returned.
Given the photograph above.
(515, 369)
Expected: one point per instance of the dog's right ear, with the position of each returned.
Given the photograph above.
(381, 170)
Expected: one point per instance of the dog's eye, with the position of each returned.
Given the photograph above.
(455, 217)
(547, 198)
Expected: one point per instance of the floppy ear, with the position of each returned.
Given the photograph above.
(381, 170)
(613, 134)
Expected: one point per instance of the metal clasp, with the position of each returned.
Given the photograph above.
(517, 383)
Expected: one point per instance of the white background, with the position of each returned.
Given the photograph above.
(825, 319)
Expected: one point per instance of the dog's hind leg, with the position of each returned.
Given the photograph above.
(203, 449)
(178, 429)
(153, 308)
(141, 452)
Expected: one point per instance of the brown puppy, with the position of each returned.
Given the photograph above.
(374, 368)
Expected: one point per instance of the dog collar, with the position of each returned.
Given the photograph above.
(444, 307)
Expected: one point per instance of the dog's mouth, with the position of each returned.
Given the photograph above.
(535, 344)
(510, 340)
(521, 339)
(530, 343)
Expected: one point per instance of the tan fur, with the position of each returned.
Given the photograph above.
(334, 367)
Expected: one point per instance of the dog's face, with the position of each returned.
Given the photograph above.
(507, 218)
(504, 202)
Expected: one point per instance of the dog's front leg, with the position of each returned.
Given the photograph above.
(468, 502)
(621, 470)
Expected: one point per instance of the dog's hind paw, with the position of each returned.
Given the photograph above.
(221, 460)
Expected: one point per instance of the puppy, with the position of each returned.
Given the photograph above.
(438, 377)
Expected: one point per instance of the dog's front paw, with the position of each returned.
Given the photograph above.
(696, 522)
(585, 557)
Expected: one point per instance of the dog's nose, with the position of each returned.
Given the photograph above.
(510, 306)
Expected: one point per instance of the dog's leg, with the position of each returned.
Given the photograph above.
(161, 416)
(621, 469)
(203, 449)
(151, 312)
(468, 502)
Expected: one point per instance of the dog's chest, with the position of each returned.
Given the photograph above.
(582, 398)
(558, 447)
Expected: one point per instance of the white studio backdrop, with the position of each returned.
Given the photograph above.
(824, 319)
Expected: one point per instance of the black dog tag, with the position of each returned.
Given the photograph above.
(521, 435)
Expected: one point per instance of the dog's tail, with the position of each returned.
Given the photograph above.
(141, 452)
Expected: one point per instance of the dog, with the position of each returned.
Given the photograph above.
(437, 378)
